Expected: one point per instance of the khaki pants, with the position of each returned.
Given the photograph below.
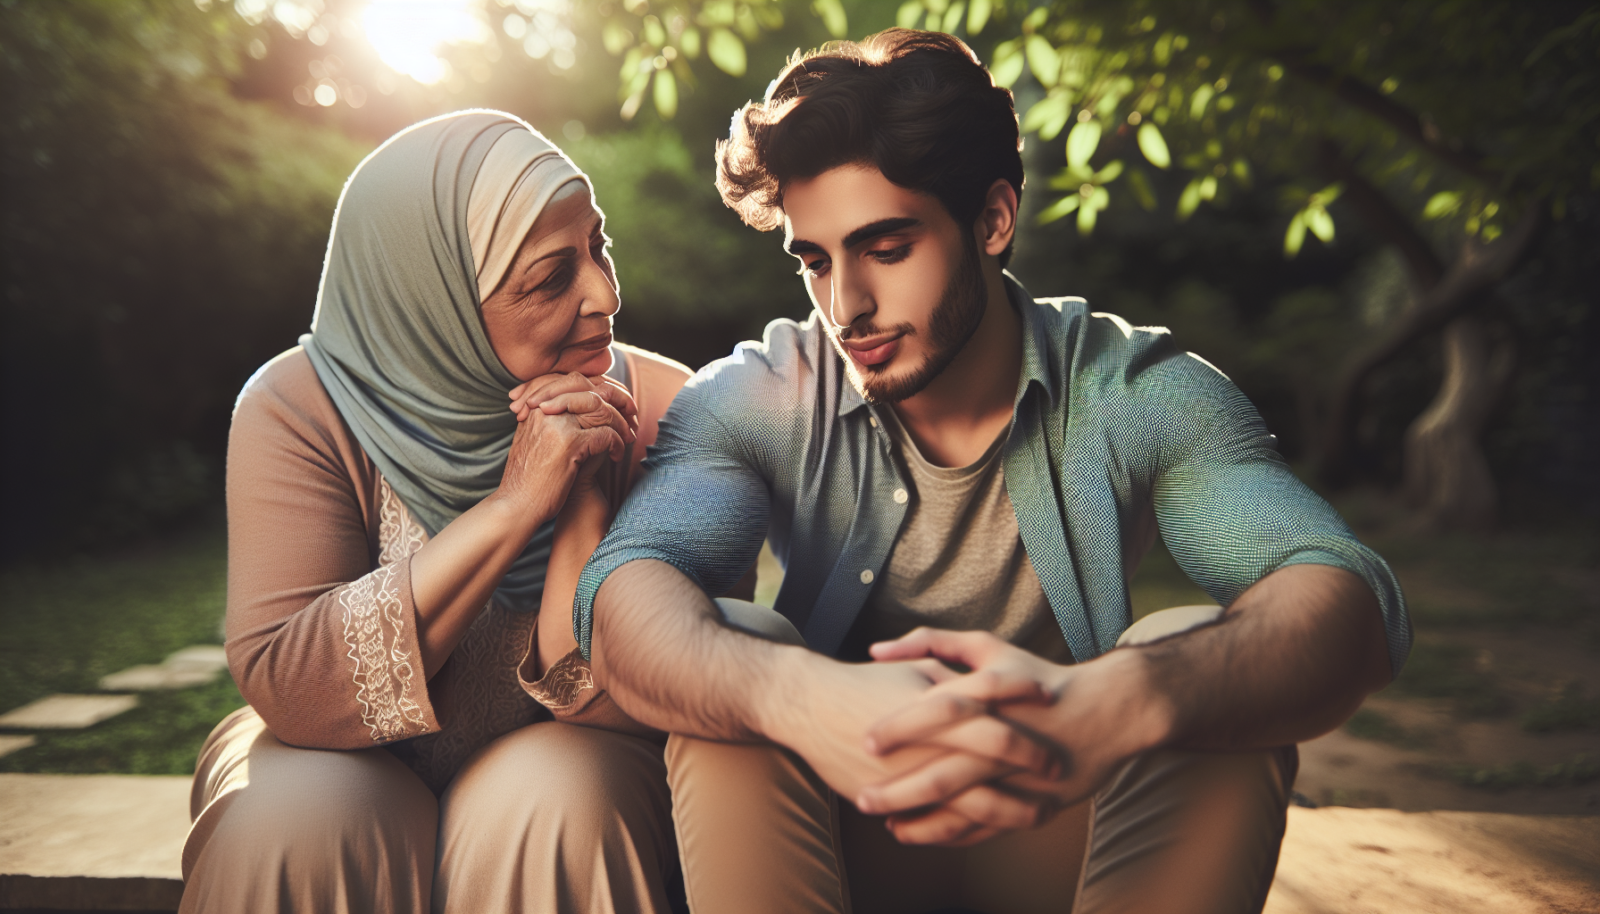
(554, 817)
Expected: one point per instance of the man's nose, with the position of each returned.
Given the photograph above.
(850, 299)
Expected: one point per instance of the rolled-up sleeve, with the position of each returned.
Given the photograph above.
(1229, 508)
(701, 504)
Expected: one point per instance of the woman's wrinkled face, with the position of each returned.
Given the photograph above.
(552, 311)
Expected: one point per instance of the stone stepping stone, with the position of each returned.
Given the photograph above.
(97, 842)
(67, 712)
(192, 666)
(10, 744)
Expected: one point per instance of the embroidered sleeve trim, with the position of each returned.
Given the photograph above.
(566, 687)
(375, 623)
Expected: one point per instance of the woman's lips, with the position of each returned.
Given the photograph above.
(872, 352)
(601, 341)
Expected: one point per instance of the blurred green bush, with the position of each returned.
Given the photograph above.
(160, 240)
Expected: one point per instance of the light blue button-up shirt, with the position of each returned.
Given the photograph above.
(1116, 433)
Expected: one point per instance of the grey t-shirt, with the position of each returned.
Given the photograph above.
(958, 562)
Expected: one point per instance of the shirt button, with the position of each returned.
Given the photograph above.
(866, 576)
(900, 496)
(872, 421)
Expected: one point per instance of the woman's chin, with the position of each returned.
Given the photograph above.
(592, 363)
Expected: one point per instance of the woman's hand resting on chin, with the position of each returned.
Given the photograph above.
(568, 427)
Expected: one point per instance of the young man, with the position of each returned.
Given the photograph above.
(934, 448)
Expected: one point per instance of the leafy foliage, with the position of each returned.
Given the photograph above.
(160, 239)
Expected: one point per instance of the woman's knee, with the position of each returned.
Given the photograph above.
(557, 781)
(310, 823)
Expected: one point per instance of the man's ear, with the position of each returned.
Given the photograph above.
(997, 223)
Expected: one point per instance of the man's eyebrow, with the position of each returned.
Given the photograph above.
(800, 246)
(881, 227)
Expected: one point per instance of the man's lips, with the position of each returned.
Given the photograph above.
(873, 350)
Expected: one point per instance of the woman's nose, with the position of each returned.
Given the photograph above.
(600, 295)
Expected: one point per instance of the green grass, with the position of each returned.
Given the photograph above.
(1513, 579)
(1579, 770)
(1569, 711)
(1452, 671)
(1375, 725)
(70, 622)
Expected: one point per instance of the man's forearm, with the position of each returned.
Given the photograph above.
(661, 651)
(1291, 659)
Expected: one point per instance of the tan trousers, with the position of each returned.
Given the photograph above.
(557, 818)
(1174, 832)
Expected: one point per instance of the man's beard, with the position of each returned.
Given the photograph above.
(952, 323)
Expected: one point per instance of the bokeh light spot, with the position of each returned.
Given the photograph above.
(407, 34)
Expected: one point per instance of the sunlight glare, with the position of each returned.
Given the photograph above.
(408, 33)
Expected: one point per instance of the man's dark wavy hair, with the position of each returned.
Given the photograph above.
(917, 105)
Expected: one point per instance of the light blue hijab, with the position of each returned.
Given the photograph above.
(397, 339)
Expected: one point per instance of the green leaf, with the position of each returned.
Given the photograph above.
(907, 15)
(1008, 63)
(1043, 61)
(1444, 203)
(654, 34)
(978, 15)
(1198, 101)
(833, 17)
(1154, 145)
(726, 51)
(718, 12)
(1320, 223)
(1082, 142)
(615, 37)
(1208, 187)
(1189, 200)
(1090, 210)
(1059, 209)
(666, 94)
(1111, 172)
(952, 17)
(689, 42)
(1296, 236)
(1142, 191)
(1048, 115)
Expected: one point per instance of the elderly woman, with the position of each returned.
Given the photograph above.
(405, 490)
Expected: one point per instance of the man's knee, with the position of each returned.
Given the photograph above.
(758, 620)
(1168, 622)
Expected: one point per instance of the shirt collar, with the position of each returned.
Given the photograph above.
(1035, 350)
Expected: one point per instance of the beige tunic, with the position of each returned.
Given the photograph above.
(321, 627)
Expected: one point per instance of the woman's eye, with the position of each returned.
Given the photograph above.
(556, 282)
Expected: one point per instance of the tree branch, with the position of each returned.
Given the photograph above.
(1381, 215)
(1410, 124)
(1474, 273)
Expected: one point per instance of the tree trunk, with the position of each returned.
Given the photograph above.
(1447, 476)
